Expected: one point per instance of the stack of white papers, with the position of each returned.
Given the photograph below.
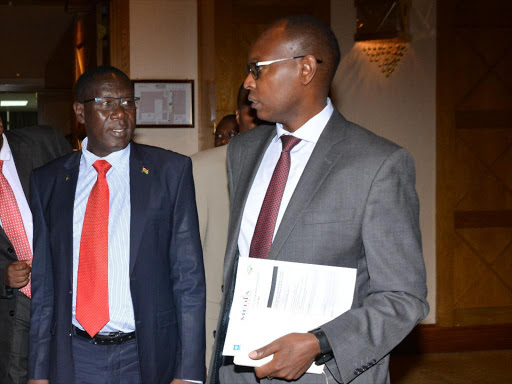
(274, 298)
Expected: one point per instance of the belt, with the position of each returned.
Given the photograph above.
(111, 338)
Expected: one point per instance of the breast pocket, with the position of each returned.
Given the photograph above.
(328, 216)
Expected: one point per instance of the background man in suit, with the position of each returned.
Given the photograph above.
(211, 182)
(118, 279)
(347, 199)
(21, 151)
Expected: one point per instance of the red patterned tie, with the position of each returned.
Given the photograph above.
(13, 224)
(266, 224)
(92, 281)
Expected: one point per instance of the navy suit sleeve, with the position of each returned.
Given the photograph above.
(41, 308)
(189, 283)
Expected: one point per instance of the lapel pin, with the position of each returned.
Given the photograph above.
(67, 177)
(145, 170)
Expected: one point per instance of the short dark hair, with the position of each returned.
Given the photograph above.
(227, 118)
(88, 77)
(315, 37)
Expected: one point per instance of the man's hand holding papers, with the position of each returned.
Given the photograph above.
(275, 304)
(293, 355)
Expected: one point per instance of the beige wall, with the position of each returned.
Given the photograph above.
(400, 108)
(163, 45)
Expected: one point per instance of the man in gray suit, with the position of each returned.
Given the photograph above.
(348, 199)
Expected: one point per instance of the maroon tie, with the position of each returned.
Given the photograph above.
(92, 282)
(13, 224)
(266, 224)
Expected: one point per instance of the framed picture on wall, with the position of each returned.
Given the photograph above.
(165, 103)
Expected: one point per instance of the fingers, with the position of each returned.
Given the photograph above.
(19, 266)
(265, 351)
(293, 355)
(17, 274)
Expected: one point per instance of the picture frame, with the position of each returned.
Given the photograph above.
(165, 103)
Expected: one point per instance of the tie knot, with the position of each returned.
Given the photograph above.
(289, 142)
(102, 166)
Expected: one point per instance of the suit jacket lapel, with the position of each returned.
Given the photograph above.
(139, 187)
(23, 163)
(324, 156)
(251, 159)
(66, 185)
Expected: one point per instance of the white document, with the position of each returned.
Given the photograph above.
(274, 298)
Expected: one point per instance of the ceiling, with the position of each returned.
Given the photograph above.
(30, 31)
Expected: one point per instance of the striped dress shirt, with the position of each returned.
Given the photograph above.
(118, 178)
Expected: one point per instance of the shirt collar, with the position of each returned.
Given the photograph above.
(118, 159)
(312, 129)
(5, 152)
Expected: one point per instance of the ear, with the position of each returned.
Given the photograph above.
(79, 112)
(308, 69)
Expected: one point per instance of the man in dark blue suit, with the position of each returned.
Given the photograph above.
(117, 278)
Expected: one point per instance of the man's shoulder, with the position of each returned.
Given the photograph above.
(209, 155)
(32, 134)
(252, 137)
(363, 139)
(55, 165)
(158, 154)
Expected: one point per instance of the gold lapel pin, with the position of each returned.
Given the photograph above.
(145, 170)
(67, 177)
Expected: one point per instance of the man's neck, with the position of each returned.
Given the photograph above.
(305, 115)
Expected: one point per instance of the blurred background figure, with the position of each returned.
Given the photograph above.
(226, 130)
(212, 198)
(245, 115)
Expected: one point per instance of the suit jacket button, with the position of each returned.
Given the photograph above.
(10, 249)
(214, 333)
(11, 313)
(357, 372)
(373, 362)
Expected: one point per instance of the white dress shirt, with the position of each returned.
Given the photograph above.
(299, 156)
(11, 174)
(120, 303)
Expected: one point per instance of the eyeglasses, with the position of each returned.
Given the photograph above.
(255, 68)
(223, 135)
(111, 103)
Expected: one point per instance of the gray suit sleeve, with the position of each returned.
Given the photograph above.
(390, 296)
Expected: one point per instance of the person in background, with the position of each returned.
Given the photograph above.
(318, 189)
(21, 151)
(226, 130)
(212, 198)
(245, 115)
(118, 279)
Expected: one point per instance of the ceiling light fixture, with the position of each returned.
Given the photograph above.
(13, 103)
